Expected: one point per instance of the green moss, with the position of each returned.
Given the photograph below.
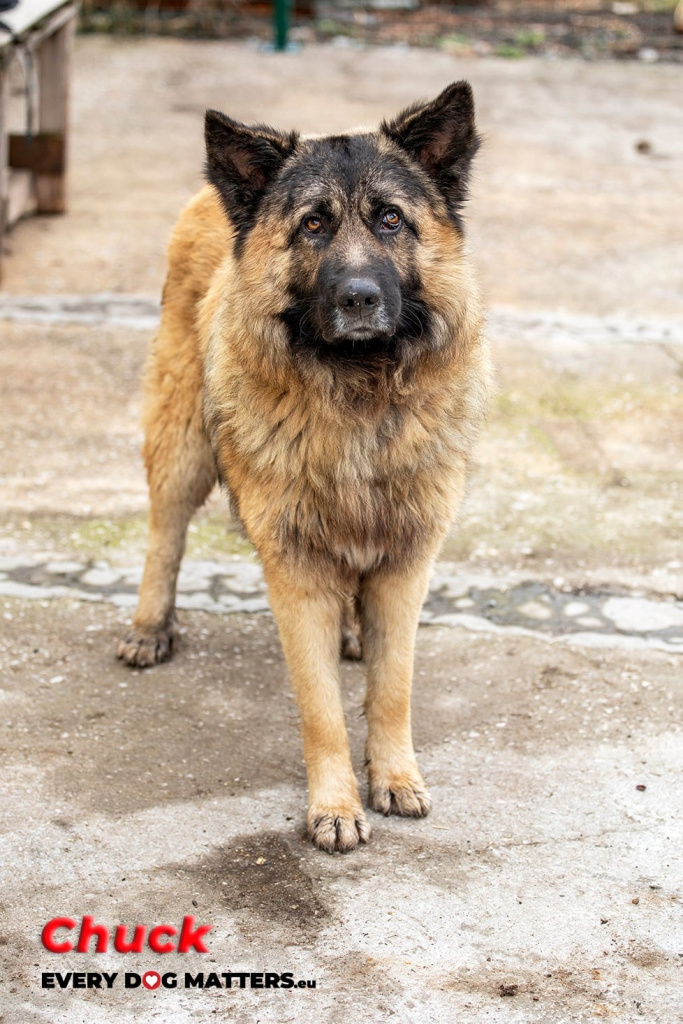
(453, 41)
(569, 402)
(529, 38)
(542, 439)
(508, 50)
(563, 397)
(123, 539)
(212, 535)
(328, 27)
(568, 517)
(657, 5)
(93, 536)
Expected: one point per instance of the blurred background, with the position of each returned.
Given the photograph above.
(506, 28)
(574, 224)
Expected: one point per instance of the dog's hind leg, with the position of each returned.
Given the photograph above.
(181, 473)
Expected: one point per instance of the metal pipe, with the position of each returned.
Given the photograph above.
(281, 19)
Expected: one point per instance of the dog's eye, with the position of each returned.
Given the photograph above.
(391, 221)
(313, 225)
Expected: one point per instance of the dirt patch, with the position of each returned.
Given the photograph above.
(260, 875)
(195, 727)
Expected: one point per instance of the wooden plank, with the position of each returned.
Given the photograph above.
(48, 26)
(27, 15)
(4, 170)
(53, 57)
(42, 154)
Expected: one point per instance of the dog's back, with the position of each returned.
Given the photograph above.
(201, 241)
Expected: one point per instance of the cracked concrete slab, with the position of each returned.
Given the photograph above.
(549, 862)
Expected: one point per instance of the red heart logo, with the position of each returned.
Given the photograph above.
(150, 979)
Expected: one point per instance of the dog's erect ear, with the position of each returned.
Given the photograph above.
(441, 136)
(241, 161)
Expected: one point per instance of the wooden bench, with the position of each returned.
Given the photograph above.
(33, 168)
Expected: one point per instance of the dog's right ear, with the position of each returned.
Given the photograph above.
(241, 162)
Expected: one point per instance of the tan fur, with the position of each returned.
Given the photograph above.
(346, 486)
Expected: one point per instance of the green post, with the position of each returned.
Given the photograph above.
(281, 13)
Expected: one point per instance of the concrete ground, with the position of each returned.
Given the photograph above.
(546, 886)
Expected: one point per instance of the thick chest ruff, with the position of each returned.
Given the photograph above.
(326, 483)
(349, 467)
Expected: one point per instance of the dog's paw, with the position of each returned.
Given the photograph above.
(145, 647)
(351, 647)
(338, 831)
(400, 793)
(351, 631)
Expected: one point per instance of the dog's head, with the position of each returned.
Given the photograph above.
(344, 230)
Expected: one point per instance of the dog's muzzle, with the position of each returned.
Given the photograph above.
(360, 310)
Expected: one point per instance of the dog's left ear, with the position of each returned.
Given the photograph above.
(441, 136)
(241, 161)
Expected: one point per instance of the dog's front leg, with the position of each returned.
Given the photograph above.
(308, 615)
(390, 605)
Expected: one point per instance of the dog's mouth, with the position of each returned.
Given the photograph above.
(365, 349)
(311, 325)
(337, 329)
(331, 335)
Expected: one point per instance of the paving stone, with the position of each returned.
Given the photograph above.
(10, 588)
(238, 586)
(573, 608)
(101, 577)
(132, 577)
(638, 615)
(191, 580)
(64, 568)
(11, 562)
(254, 604)
(590, 622)
(460, 584)
(123, 600)
(535, 610)
(243, 578)
(198, 602)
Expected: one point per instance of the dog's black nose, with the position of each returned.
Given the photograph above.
(358, 295)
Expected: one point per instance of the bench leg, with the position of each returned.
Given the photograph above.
(4, 169)
(53, 58)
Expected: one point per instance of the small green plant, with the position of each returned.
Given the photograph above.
(529, 38)
(328, 27)
(508, 50)
(454, 39)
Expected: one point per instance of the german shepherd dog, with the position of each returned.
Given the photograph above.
(321, 354)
